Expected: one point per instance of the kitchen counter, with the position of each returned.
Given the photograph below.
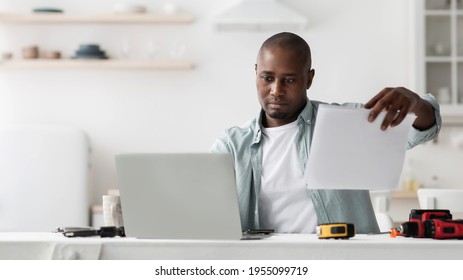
(44, 245)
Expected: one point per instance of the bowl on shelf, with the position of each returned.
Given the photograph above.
(89, 51)
(47, 10)
(52, 55)
(30, 52)
(7, 55)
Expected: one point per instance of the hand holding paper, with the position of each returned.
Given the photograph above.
(349, 152)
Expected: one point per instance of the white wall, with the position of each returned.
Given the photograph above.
(359, 47)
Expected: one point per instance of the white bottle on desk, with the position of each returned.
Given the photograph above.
(409, 182)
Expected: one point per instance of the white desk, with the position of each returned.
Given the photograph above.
(298, 246)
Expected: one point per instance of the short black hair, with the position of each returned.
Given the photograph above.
(289, 41)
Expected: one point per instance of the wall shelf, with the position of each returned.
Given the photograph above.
(51, 18)
(63, 18)
(94, 64)
(404, 195)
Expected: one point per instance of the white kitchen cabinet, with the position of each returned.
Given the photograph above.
(440, 52)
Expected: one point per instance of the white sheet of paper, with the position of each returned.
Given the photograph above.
(348, 152)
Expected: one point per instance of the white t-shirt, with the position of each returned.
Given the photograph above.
(284, 203)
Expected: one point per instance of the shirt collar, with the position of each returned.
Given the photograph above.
(307, 113)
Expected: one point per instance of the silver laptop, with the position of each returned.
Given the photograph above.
(179, 196)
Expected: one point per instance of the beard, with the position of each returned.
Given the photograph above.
(277, 115)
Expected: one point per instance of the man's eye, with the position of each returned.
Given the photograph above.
(289, 80)
(267, 78)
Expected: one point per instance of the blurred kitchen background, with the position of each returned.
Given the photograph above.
(358, 48)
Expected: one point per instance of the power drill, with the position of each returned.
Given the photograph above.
(437, 224)
(415, 225)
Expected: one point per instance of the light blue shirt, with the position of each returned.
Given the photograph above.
(331, 206)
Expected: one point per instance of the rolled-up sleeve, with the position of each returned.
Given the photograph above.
(416, 136)
(220, 144)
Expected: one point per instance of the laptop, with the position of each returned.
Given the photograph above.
(179, 196)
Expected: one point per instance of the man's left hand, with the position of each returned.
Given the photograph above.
(398, 102)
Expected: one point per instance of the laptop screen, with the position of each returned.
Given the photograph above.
(178, 196)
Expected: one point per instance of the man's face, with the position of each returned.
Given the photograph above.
(282, 80)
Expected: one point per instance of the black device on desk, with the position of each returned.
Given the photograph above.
(259, 231)
(87, 231)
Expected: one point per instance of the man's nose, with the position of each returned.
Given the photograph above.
(277, 89)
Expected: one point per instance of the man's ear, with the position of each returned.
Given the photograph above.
(255, 67)
(310, 76)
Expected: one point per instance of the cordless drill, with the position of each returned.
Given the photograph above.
(437, 224)
(415, 225)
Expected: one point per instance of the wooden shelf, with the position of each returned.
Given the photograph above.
(97, 19)
(404, 195)
(94, 64)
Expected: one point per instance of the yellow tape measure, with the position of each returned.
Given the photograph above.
(339, 230)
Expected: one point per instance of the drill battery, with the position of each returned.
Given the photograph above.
(428, 214)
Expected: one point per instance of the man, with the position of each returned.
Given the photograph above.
(271, 151)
